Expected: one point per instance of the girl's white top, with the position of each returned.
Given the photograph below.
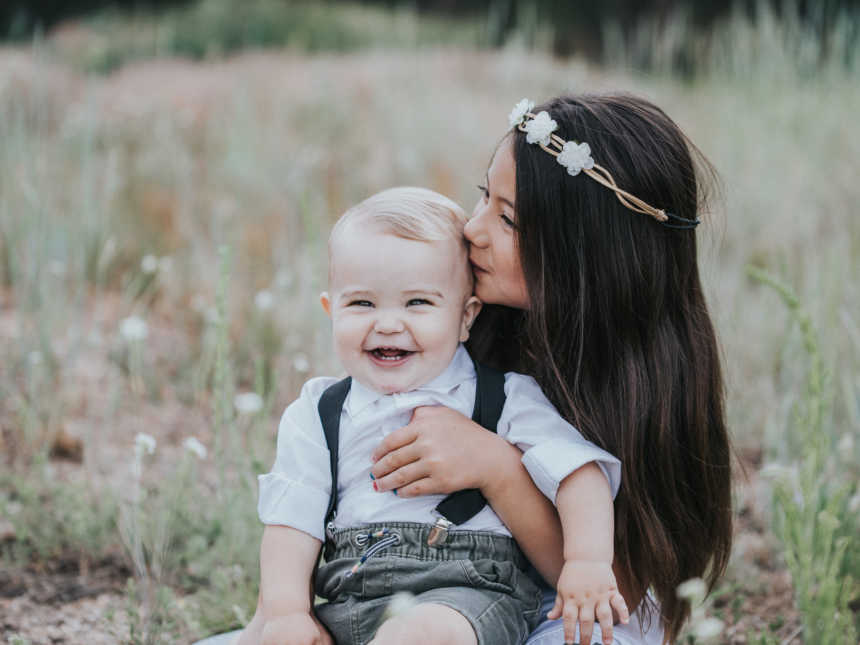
(296, 492)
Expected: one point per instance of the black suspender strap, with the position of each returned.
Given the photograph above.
(330, 407)
(458, 507)
(463, 505)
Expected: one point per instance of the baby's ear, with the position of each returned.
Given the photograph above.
(325, 301)
(470, 312)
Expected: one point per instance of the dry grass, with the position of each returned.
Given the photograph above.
(259, 154)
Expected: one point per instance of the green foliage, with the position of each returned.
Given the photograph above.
(812, 519)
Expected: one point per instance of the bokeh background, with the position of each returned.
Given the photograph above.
(168, 175)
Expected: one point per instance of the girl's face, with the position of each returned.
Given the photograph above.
(492, 233)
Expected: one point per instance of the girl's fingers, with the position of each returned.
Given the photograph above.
(400, 478)
(570, 615)
(425, 486)
(620, 607)
(555, 612)
(604, 615)
(397, 439)
(393, 460)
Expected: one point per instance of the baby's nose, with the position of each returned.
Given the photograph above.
(388, 323)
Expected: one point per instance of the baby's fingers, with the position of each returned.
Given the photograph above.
(570, 614)
(620, 607)
(586, 624)
(555, 612)
(604, 615)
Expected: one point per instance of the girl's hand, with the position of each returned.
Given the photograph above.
(299, 628)
(439, 452)
(587, 590)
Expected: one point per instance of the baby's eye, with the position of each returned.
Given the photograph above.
(418, 301)
(484, 192)
(360, 303)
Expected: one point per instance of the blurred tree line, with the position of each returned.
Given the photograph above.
(572, 27)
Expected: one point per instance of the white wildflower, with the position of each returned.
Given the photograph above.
(34, 357)
(264, 300)
(248, 402)
(57, 268)
(776, 472)
(133, 329)
(149, 264)
(301, 364)
(845, 447)
(693, 589)
(144, 443)
(400, 603)
(575, 157)
(707, 629)
(195, 447)
(854, 503)
(519, 112)
(540, 128)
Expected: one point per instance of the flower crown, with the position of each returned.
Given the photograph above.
(576, 157)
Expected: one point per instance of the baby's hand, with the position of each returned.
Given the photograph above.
(293, 629)
(587, 589)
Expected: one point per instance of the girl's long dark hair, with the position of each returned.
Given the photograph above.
(619, 337)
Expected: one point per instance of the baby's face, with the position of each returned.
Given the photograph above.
(398, 307)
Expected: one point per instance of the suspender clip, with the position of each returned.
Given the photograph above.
(439, 533)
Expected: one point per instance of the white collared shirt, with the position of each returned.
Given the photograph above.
(296, 492)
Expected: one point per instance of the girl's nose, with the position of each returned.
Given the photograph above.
(475, 231)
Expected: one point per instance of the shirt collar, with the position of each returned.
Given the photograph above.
(460, 369)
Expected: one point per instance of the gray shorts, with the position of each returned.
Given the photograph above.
(479, 574)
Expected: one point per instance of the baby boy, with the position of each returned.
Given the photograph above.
(401, 304)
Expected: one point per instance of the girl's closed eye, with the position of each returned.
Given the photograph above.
(485, 194)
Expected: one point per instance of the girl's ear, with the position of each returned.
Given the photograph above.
(325, 301)
(470, 312)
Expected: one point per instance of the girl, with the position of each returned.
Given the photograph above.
(589, 255)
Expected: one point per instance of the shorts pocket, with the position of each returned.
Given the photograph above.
(492, 575)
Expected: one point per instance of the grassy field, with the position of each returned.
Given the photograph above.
(162, 245)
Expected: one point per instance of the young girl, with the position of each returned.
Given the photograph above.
(590, 255)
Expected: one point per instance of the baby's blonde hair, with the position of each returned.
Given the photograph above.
(410, 213)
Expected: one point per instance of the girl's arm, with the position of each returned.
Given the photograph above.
(442, 451)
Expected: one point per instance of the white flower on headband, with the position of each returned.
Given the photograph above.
(540, 128)
(519, 112)
(575, 157)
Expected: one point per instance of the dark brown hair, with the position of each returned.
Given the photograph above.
(619, 337)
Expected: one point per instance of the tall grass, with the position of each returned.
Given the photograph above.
(120, 192)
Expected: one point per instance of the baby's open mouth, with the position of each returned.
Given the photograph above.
(390, 353)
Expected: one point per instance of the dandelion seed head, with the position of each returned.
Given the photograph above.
(195, 447)
(133, 329)
(248, 403)
(693, 589)
(707, 629)
(264, 300)
(149, 264)
(144, 443)
(301, 364)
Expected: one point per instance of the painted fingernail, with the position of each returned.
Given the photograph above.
(395, 491)
(371, 476)
(375, 486)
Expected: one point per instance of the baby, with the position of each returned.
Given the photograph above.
(400, 300)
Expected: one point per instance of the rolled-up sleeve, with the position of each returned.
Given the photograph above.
(297, 490)
(552, 448)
